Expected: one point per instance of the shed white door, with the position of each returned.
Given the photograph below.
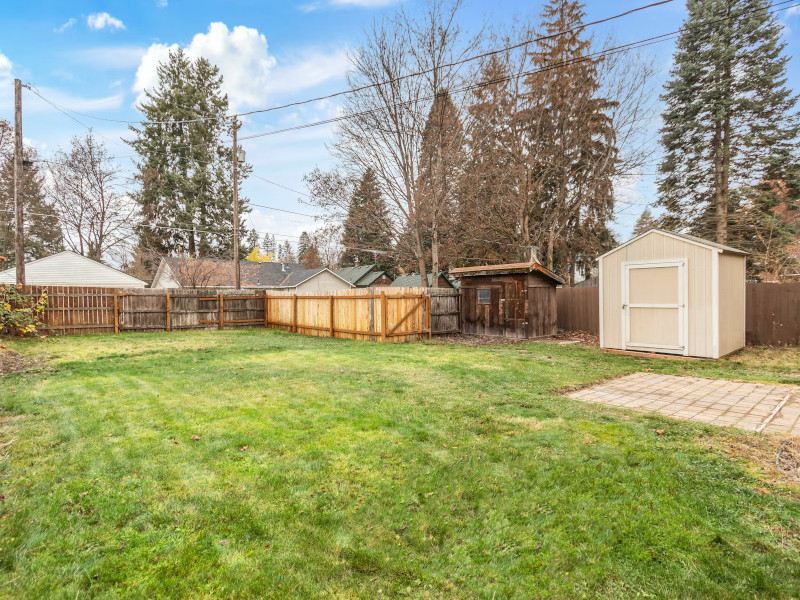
(654, 307)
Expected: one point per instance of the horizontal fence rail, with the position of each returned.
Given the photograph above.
(385, 315)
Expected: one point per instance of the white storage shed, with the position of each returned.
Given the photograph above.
(673, 293)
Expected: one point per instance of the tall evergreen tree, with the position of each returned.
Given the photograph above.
(367, 227)
(285, 253)
(728, 117)
(185, 165)
(308, 254)
(269, 245)
(441, 160)
(41, 225)
(570, 141)
(645, 221)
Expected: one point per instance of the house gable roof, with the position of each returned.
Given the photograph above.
(221, 273)
(355, 274)
(680, 236)
(70, 268)
(507, 269)
(372, 276)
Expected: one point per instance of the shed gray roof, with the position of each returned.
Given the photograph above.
(413, 280)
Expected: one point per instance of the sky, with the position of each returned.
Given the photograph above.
(96, 58)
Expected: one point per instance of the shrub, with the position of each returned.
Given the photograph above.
(20, 314)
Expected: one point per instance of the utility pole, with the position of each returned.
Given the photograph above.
(236, 205)
(19, 233)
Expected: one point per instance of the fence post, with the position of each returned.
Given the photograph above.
(384, 317)
(169, 316)
(266, 310)
(332, 328)
(294, 313)
(428, 316)
(221, 308)
(116, 313)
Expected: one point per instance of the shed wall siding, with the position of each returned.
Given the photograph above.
(657, 247)
(731, 303)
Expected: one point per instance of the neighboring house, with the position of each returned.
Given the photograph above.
(413, 280)
(70, 268)
(174, 272)
(365, 276)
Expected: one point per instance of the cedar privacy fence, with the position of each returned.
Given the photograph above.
(390, 315)
(772, 315)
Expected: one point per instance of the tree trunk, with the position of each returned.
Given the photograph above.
(435, 255)
(720, 198)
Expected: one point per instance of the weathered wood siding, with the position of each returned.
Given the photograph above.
(521, 306)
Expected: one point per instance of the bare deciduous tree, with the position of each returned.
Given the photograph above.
(96, 217)
(384, 131)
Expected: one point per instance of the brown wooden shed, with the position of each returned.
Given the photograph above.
(513, 301)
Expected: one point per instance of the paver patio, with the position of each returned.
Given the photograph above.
(750, 406)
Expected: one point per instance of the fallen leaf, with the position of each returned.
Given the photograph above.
(244, 448)
(177, 443)
(223, 542)
(660, 431)
(761, 491)
(195, 438)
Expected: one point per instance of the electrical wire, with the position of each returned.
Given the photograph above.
(388, 81)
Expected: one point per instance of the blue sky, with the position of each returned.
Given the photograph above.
(95, 57)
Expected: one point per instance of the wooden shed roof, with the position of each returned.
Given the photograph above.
(507, 269)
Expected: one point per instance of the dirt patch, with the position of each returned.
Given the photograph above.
(477, 340)
(760, 453)
(583, 338)
(14, 362)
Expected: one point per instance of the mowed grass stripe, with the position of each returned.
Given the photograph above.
(331, 468)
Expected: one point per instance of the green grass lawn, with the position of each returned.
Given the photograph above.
(339, 469)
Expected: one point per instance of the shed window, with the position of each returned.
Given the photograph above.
(484, 296)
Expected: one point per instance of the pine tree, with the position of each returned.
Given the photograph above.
(185, 166)
(41, 225)
(285, 253)
(269, 245)
(441, 161)
(728, 118)
(645, 221)
(308, 254)
(570, 142)
(367, 227)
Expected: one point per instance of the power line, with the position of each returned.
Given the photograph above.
(382, 83)
(594, 56)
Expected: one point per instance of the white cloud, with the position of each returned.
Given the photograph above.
(249, 71)
(68, 101)
(103, 20)
(310, 69)
(5, 66)
(161, 3)
(113, 57)
(66, 25)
